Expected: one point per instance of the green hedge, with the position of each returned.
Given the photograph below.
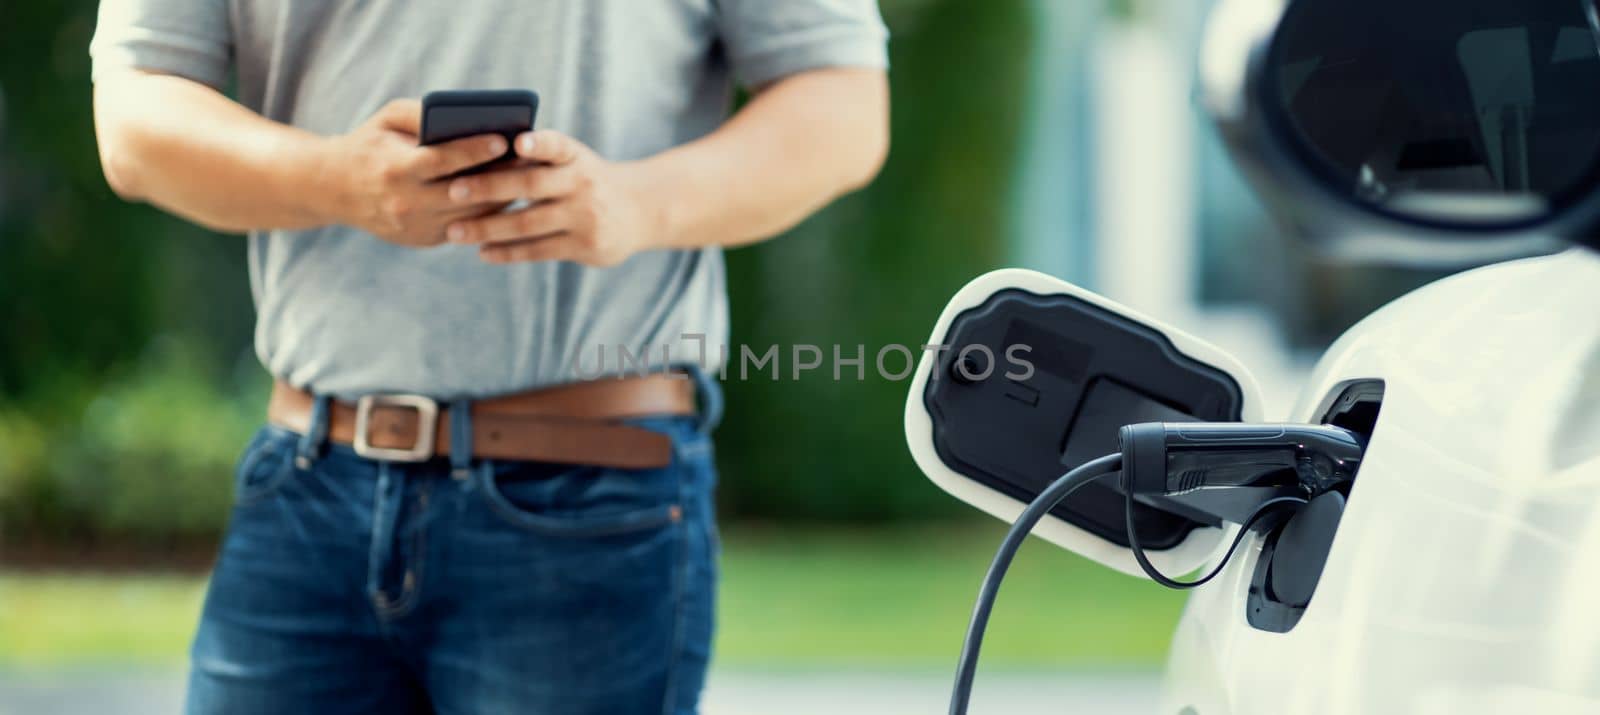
(147, 458)
(876, 269)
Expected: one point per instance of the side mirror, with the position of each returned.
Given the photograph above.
(1039, 377)
(1430, 132)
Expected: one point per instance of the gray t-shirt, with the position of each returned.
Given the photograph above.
(342, 312)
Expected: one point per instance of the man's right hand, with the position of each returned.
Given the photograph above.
(385, 184)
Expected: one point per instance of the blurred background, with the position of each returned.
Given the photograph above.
(1058, 135)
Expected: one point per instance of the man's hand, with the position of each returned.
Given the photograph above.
(388, 186)
(583, 208)
(799, 143)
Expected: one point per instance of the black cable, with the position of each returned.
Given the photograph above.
(1053, 495)
(1047, 500)
(1155, 575)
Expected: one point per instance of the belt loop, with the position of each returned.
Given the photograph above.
(710, 398)
(311, 443)
(461, 440)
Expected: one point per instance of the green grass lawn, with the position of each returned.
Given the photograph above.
(806, 598)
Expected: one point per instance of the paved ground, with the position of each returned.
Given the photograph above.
(730, 693)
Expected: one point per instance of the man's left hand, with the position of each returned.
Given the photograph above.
(582, 208)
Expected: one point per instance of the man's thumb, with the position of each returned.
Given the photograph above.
(401, 115)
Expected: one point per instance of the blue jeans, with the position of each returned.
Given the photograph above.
(351, 586)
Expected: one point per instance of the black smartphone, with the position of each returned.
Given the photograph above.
(457, 114)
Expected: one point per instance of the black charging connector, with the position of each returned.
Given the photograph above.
(1235, 473)
(1226, 470)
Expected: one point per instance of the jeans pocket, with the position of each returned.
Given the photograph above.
(267, 464)
(581, 502)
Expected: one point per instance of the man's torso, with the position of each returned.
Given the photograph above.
(344, 313)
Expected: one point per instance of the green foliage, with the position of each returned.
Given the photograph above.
(876, 269)
(147, 458)
(86, 280)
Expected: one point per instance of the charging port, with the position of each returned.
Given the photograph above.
(1297, 546)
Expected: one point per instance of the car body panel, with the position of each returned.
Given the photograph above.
(1464, 575)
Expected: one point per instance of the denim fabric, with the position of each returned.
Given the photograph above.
(351, 586)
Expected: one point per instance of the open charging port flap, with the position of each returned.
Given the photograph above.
(1065, 370)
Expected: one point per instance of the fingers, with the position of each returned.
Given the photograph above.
(549, 146)
(456, 214)
(441, 160)
(466, 213)
(401, 115)
(429, 203)
(535, 222)
(533, 183)
(552, 248)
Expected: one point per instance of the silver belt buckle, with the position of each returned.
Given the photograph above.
(427, 427)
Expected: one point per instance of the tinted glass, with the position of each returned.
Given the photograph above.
(1466, 111)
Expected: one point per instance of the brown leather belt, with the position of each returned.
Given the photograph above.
(578, 423)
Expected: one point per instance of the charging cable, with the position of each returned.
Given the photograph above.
(1047, 500)
(1161, 578)
(1225, 472)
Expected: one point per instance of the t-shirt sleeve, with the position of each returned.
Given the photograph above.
(187, 38)
(768, 40)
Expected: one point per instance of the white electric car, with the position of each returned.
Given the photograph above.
(1453, 564)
